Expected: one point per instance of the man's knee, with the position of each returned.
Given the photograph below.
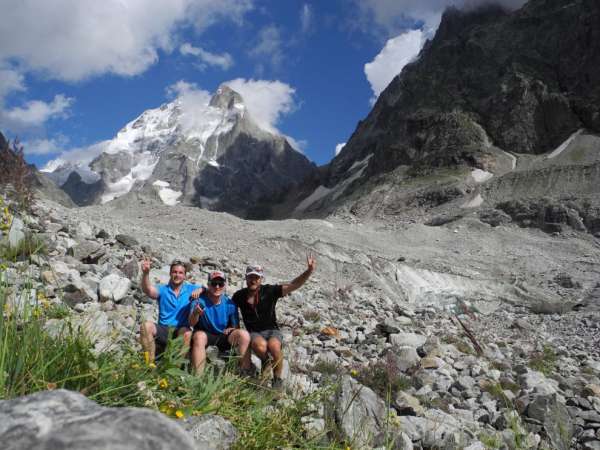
(148, 328)
(259, 344)
(241, 337)
(274, 347)
(199, 339)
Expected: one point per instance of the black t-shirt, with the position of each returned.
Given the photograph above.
(261, 316)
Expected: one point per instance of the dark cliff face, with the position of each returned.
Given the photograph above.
(526, 79)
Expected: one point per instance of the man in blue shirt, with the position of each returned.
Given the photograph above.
(173, 308)
(214, 318)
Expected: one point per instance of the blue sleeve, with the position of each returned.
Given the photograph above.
(234, 317)
(159, 288)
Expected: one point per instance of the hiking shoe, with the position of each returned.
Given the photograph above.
(247, 373)
(277, 384)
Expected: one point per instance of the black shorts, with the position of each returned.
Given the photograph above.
(218, 340)
(164, 333)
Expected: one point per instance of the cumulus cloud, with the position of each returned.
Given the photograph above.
(339, 147)
(97, 37)
(224, 60)
(35, 113)
(267, 101)
(306, 18)
(396, 16)
(397, 52)
(45, 146)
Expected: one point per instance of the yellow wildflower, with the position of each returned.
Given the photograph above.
(354, 372)
(163, 383)
(179, 414)
(152, 366)
(135, 366)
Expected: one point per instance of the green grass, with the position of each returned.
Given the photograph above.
(30, 245)
(125, 378)
(544, 361)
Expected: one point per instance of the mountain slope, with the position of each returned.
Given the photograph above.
(213, 156)
(490, 88)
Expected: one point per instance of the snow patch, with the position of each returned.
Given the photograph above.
(425, 287)
(169, 196)
(161, 183)
(481, 176)
(562, 147)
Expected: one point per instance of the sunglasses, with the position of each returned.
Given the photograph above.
(217, 283)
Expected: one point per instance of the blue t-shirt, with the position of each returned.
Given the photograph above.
(173, 310)
(216, 317)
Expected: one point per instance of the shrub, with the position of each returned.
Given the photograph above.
(16, 172)
(383, 377)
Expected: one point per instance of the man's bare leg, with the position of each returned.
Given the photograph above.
(274, 348)
(147, 335)
(199, 341)
(241, 340)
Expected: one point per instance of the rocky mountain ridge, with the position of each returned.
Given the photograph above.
(493, 91)
(216, 158)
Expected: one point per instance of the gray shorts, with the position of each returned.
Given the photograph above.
(268, 334)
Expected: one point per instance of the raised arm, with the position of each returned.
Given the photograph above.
(147, 287)
(311, 265)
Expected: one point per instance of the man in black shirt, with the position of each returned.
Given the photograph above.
(257, 304)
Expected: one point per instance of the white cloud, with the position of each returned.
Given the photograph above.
(224, 61)
(297, 144)
(397, 52)
(35, 113)
(76, 39)
(77, 156)
(306, 18)
(10, 81)
(267, 101)
(45, 146)
(269, 46)
(339, 147)
(396, 16)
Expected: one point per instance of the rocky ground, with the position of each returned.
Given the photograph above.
(490, 334)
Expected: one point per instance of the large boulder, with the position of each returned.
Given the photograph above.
(360, 413)
(68, 420)
(113, 287)
(555, 418)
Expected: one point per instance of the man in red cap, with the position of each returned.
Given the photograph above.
(215, 321)
(257, 304)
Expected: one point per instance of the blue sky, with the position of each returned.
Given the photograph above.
(74, 72)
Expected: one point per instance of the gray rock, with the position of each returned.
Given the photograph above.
(211, 432)
(68, 420)
(360, 413)
(409, 339)
(83, 230)
(555, 419)
(405, 358)
(126, 240)
(113, 287)
(89, 252)
(16, 233)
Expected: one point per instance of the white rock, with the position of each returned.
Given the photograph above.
(113, 287)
